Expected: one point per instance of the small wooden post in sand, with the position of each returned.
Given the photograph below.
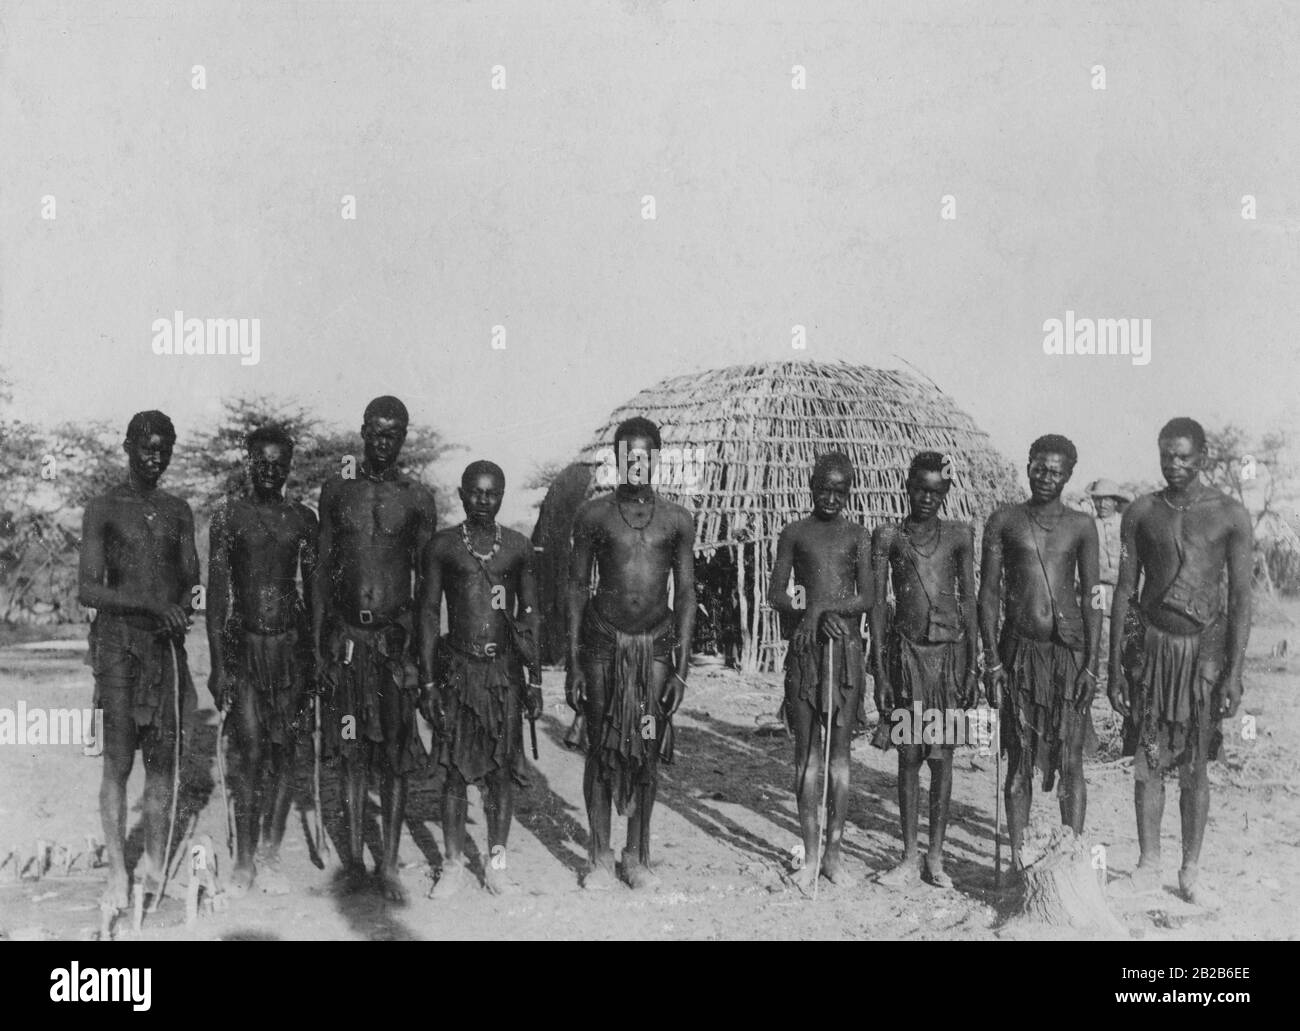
(1061, 891)
(204, 882)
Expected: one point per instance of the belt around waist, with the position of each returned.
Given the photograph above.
(490, 650)
(367, 619)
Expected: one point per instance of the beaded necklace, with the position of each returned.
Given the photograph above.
(469, 546)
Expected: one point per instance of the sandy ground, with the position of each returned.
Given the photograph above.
(724, 830)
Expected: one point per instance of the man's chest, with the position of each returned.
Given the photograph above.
(1028, 546)
(258, 531)
(913, 566)
(827, 554)
(376, 511)
(620, 538)
(135, 527)
(1198, 532)
(465, 572)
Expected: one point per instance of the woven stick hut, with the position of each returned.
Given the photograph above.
(741, 442)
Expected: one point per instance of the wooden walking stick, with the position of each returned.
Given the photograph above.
(997, 789)
(232, 843)
(322, 841)
(176, 777)
(826, 765)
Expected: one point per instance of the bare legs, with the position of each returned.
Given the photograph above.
(909, 791)
(121, 739)
(809, 748)
(1194, 808)
(636, 856)
(498, 811)
(250, 799)
(1073, 791)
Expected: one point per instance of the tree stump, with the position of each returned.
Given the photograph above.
(1063, 892)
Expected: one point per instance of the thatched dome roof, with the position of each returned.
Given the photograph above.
(760, 427)
(757, 430)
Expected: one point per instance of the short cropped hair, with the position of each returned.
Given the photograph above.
(482, 468)
(1184, 427)
(143, 424)
(926, 462)
(832, 461)
(268, 435)
(387, 407)
(638, 426)
(1055, 443)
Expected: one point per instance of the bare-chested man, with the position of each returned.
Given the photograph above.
(1179, 672)
(373, 531)
(621, 647)
(260, 646)
(138, 571)
(927, 661)
(476, 696)
(831, 560)
(1046, 656)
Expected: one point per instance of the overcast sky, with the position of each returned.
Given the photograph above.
(775, 207)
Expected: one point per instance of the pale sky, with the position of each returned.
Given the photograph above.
(522, 207)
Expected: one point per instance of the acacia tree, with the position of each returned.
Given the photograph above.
(216, 465)
(1259, 473)
(48, 477)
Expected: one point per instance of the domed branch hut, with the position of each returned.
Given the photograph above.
(738, 446)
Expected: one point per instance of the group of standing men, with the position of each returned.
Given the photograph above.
(1179, 607)
(362, 634)
(360, 644)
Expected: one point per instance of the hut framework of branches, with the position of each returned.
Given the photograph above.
(760, 428)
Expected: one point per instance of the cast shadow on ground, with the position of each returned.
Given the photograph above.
(547, 815)
(368, 914)
(715, 751)
(196, 791)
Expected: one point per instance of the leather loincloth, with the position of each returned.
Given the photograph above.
(633, 735)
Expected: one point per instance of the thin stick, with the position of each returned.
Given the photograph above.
(231, 842)
(826, 766)
(997, 798)
(176, 777)
(184, 850)
(322, 842)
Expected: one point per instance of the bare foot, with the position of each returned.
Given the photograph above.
(905, 875)
(638, 875)
(1145, 880)
(834, 870)
(499, 881)
(451, 881)
(934, 872)
(351, 879)
(805, 877)
(390, 885)
(241, 880)
(599, 878)
(115, 892)
(1195, 891)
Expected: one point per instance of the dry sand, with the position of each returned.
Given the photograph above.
(724, 830)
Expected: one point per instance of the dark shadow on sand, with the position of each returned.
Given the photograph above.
(359, 901)
(251, 935)
(746, 764)
(196, 791)
(545, 814)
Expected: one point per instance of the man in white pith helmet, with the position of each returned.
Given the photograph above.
(1107, 496)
